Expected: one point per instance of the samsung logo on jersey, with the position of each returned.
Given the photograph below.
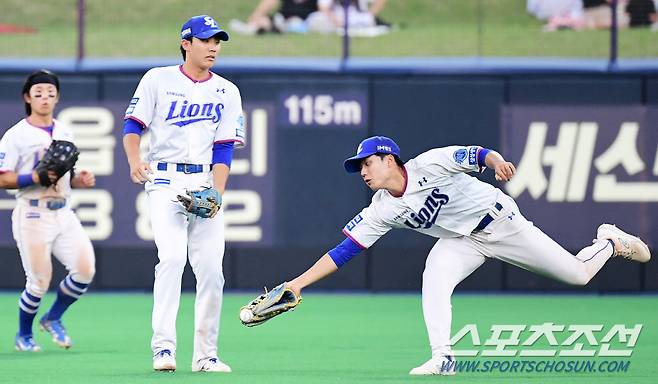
(426, 217)
(192, 113)
(170, 93)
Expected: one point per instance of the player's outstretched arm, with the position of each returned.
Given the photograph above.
(324, 267)
(139, 170)
(504, 169)
(284, 297)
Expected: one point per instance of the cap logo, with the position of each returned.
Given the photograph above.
(384, 148)
(185, 31)
(210, 22)
(360, 149)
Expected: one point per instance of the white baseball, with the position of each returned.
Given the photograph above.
(246, 315)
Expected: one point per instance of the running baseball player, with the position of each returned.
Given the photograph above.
(473, 220)
(42, 221)
(195, 120)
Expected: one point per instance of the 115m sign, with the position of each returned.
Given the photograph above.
(330, 109)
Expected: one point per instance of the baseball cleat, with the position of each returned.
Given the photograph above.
(210, 365)
(445, 366)
(26, 344)
(164, 361)
(57, 331)
(627, 246)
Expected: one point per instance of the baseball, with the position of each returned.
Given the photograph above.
(246, 315)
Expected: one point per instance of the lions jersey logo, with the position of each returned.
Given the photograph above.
(427, 215)
(191, 113)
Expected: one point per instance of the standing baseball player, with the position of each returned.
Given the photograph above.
(42, 221)
(195, 120)
(432, 194)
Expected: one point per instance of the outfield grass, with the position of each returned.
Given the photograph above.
(329, 339)
(137, 28)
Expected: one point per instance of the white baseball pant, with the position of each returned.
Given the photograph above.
(179, 236)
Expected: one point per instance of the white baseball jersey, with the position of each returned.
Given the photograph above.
(186, 117)
(21, 148)
(439, 199)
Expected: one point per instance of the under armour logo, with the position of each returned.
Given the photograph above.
(210, 22)
(510, 216)
(220, 90)
(421, 182)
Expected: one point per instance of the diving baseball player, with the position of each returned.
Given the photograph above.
(473, 220)
(195, 120)
(42, 221)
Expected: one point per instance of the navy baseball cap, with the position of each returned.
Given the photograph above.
(369, 147)
(202, 27)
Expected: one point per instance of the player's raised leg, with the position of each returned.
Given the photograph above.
(535, 251)
(206, 260)
(169, 224)
(449, 262)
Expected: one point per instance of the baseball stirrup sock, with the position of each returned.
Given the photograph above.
(28, 306)
(68, 292)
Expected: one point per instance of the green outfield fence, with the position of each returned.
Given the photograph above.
(420, 28)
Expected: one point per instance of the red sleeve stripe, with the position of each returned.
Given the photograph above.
(135, 119)
(229, 141)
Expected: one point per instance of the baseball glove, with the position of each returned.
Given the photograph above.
(58, 159)
(275, 302)
(204, 203)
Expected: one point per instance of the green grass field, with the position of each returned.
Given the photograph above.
(329, 339)
(138, 28)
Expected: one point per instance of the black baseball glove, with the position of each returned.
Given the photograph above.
(59, 159)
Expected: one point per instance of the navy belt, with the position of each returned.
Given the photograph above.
(487, 219)
(185, 168)
(50, 204)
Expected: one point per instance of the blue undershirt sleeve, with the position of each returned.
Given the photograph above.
(24, 180)
(222, 153)
(344, 251)
(131, 126)
(482, 154)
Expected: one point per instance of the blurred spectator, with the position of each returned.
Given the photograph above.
(545, 9)
(592, 14)
(642, 13)
(560, 14)
(598, 14)
(290, 17)
(361, 15)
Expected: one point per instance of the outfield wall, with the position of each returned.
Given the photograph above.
(584, 141)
